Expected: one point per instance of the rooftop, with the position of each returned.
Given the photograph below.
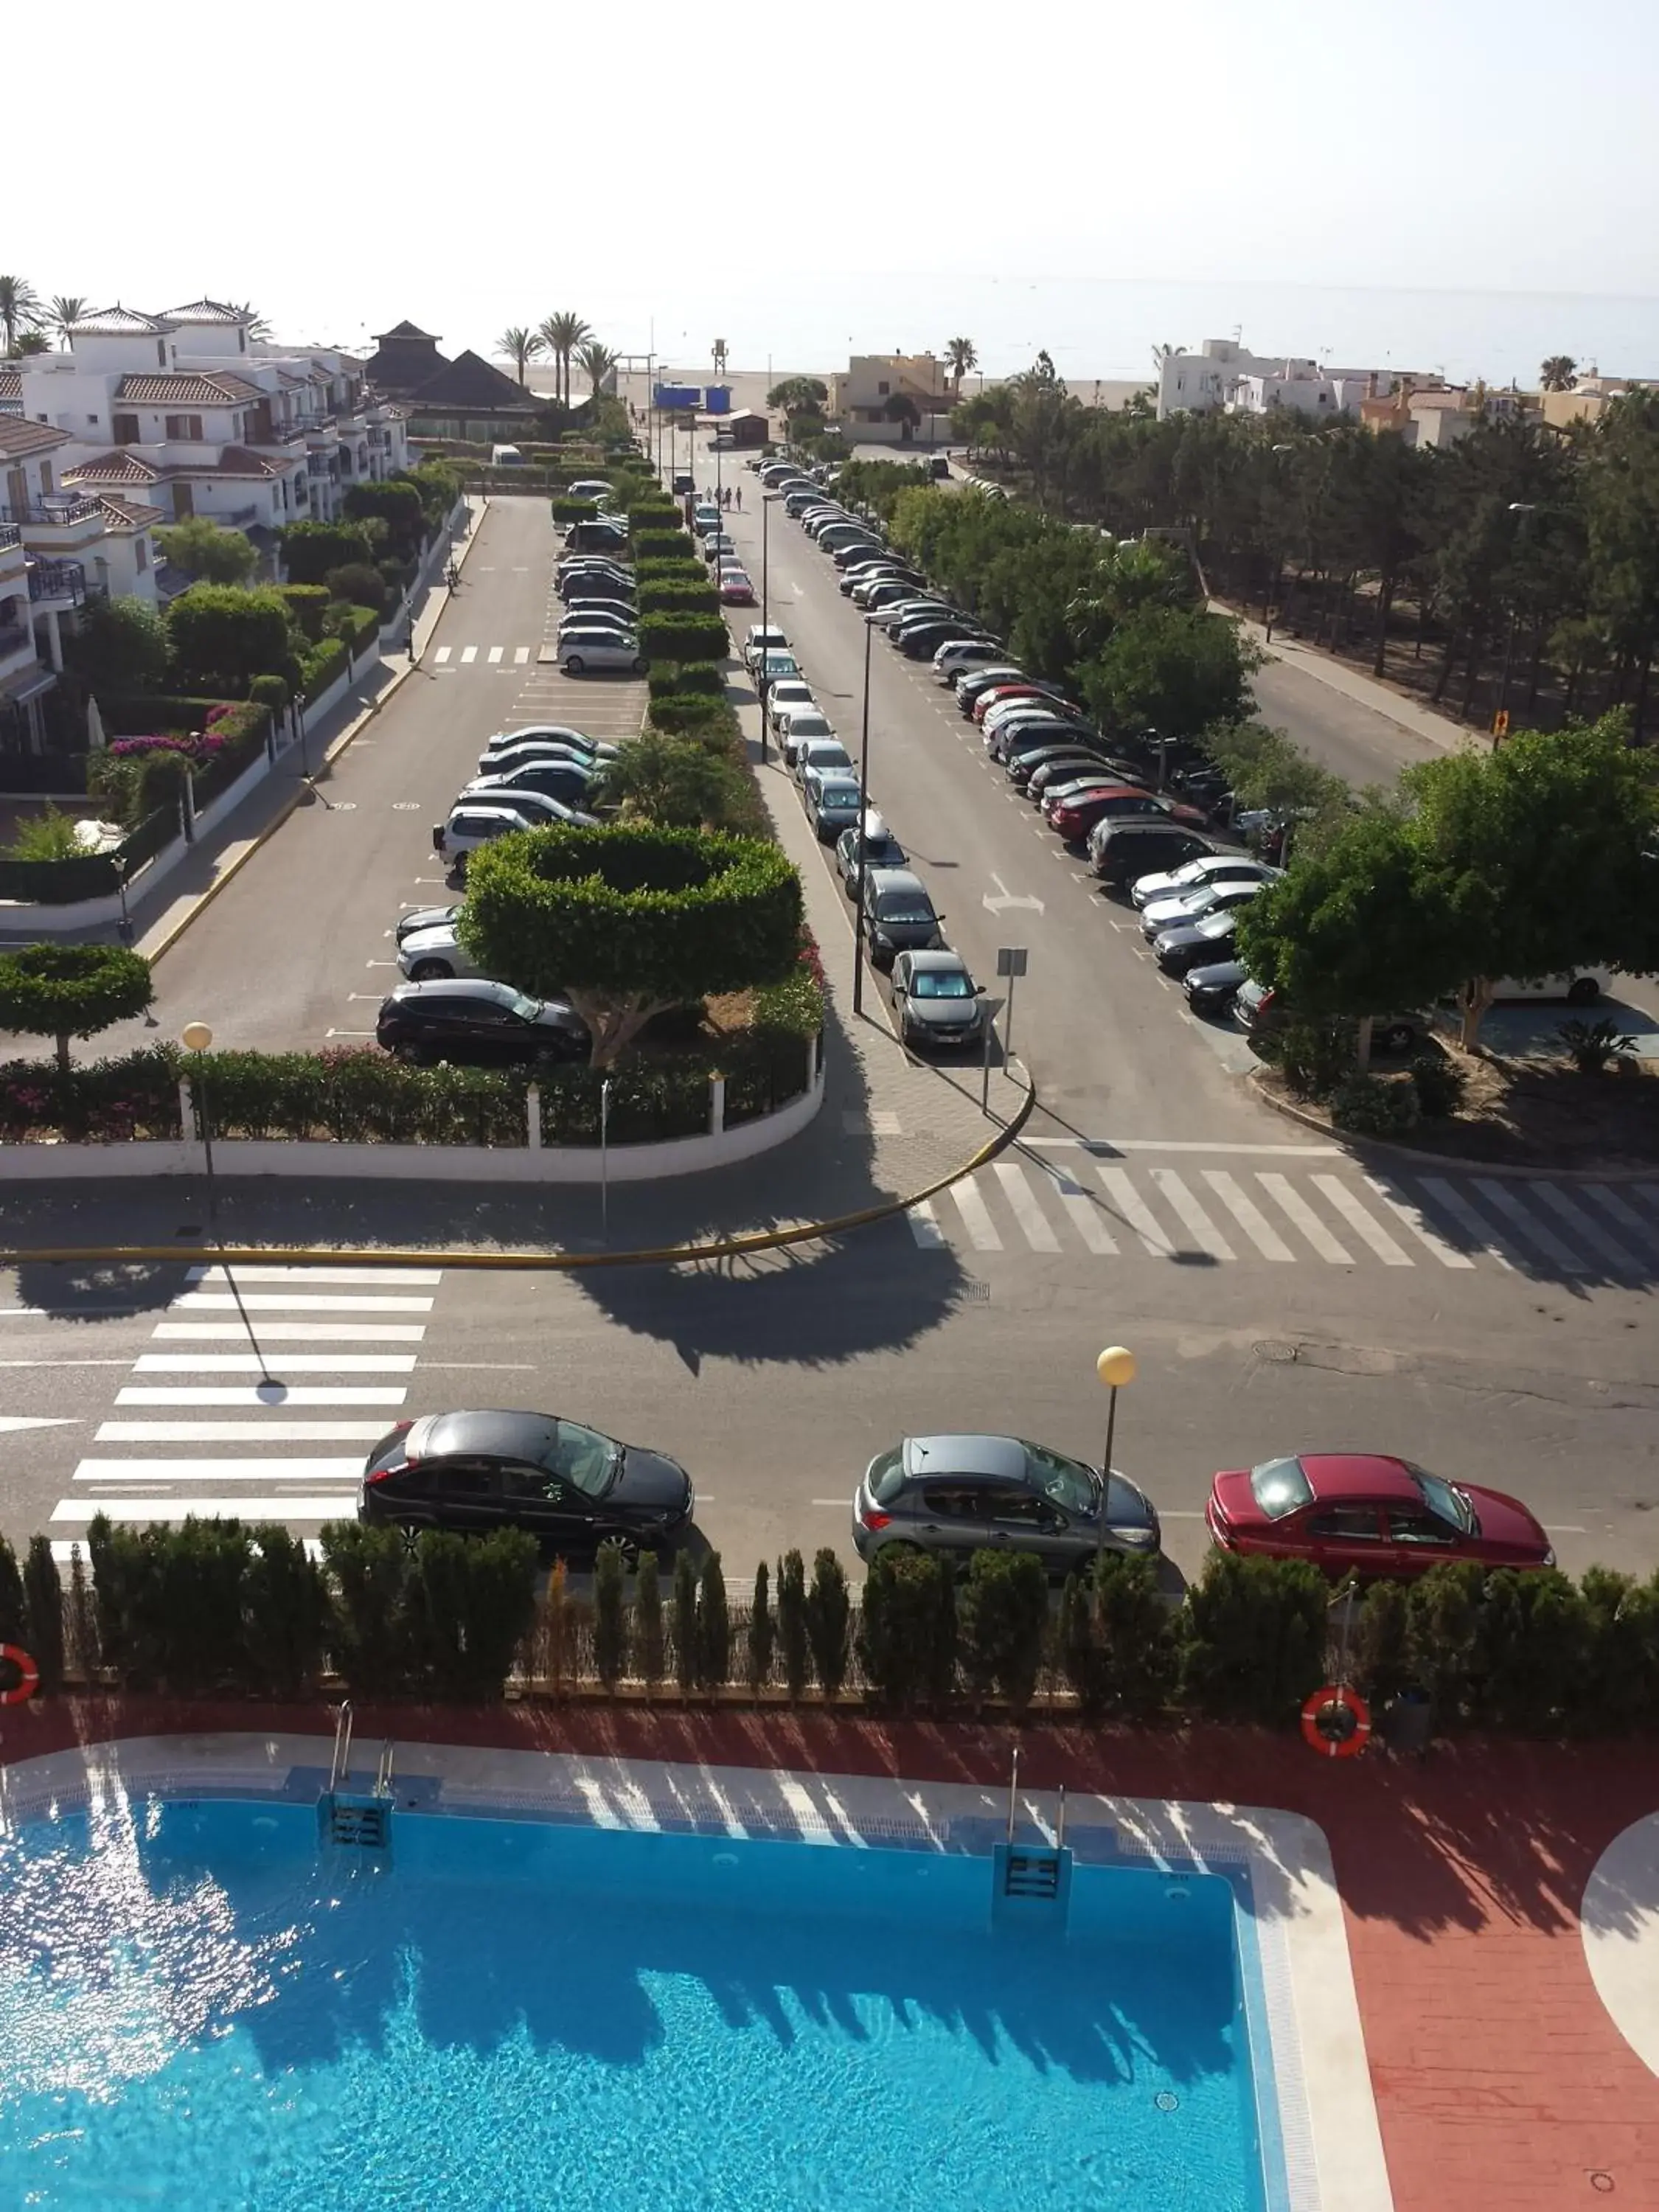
(122, 322)
(19, 437)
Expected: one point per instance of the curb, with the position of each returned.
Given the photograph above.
(1414, 1156)
(666, 1255)
(354, 729)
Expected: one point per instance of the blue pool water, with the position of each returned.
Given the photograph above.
(200, 2008)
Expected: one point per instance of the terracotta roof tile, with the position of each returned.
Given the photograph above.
(208, 311)
(11, 383)
(131, 514)
(19, 436)
(117, 466)
(196, 388)
(123, 322)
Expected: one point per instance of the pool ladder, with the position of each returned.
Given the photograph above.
(346, 1816)
(1031, 1874)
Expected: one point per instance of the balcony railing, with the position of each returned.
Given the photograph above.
(9, 535)
(57, 579)
(54, 510)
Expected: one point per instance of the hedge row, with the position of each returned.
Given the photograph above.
(678, 598)
(684, 637)
(209, 1606)
(353, 1096)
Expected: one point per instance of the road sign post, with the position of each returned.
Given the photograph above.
(1011, 963)
(987, 1032)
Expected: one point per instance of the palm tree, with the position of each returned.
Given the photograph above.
(64, 313)
(258, 328)
(20, 308)
(562, 335)
(1560, 373)
(596, 361)
(520, 346)
(960, 355)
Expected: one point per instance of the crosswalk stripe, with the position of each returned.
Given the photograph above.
(1587, 1229)
(1081, 1210)
(1183, 1201)
(292, 1363)
(443, 653)
(235, 1432)
(495, 656)
(1647, 1191)
(521, 655)
(213, 1278)
(1248, 1215)
(1134, 1211)
(1347, 1205)
(1410, 1216)
(1503, 1200)
(292, 1301)
(261, 1394)
(924, 1225)
(1474, 1227)
(1026, 1211)
(219, 1470)
(468, 653)
(976, 1218)
(289, 1332)
(1306, 1220)
(303, 1507)
(1626, 1216)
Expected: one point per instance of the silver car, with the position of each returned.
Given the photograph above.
(936, 1000)
(430, 956)
(1197, 905)
(585, 652)
(961, 1494)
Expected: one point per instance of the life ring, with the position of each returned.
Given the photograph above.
(28, 1675)
(1336, 1721)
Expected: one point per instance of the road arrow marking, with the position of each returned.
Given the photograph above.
(10, 1423)
(1005, 899)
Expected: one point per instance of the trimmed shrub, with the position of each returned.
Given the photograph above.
(610, 1625)
(1619, 1685)
(1440, 1083)
(320, 667)
(472, 1601)
(1534, 1640)
(678, 599)
(43, 1613)
(222, 638)
(685, 1621)
(1002, 1613)
(1117, 1641)
(1380, 1652)
(829, 1613)
(368, 1627)
(310, 550)
(400, 505)
(573, 510)
(907, 1638)
(1375, 1105)
(270, 692)
(14, 1614)
(714, 1626)
(668, 680)
(684, 637)
(285, 1600)
(64, 991)
(306, 604)
(692, 714)
(646, 1634)
(760, 1639)
(359, 581)
(793, 1649)
(658, 544)
(1253, 1638)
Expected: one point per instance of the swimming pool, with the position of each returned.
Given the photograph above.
(199, 2007)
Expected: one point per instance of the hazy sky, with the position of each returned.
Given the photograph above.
(1047, 164)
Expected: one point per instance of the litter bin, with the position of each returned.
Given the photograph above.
(1408, 1723)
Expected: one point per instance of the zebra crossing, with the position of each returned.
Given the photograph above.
(1223, 1215)
(484, 656)
(205, 1422)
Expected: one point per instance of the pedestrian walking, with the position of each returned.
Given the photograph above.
(738, 496)
(409, 644)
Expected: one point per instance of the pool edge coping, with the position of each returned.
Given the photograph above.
(1329, 2133)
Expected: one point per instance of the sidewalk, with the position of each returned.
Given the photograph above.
(1364, 691)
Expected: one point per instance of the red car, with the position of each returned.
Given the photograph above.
(1075, 813)
(1369, 1514)
(735, 590)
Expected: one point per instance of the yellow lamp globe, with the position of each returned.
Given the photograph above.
(1115, 1366)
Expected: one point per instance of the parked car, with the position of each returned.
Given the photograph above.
(921, 641)
(565, 781)
(1196, 944)
(602, 613)
(433, 955)
(899, 916)
(1260, 1013)
(425, 917)
(789, 695)
(1121, 851)
(1211, 990)
(585, 652)
(1207, 868)
(936, 1000)
(1071, 814)
(822, 753)
(1368, 1513)
(1579, 986)
(798, 727)
(561, 733)
(882, 849)
(590, 488)
(773, 668)
(834, 801)
(1192, 906)
(974, 683)
(536, 810)
(961, 1494)
(469, 825)
(570, 1486)
(475, 1023)
(761, 637)
(735, 590)
(959, 653)
(1045, 768)
(553, 750)
(602, 626)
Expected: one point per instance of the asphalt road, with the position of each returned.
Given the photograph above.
(1275, 1296)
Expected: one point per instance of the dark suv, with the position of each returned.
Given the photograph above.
(899, 916)
(1260, 1013)
(1123, 848)
(475, 1023)
(961, 1494)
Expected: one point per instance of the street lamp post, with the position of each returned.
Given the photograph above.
(196, 1037)
(864, 838)
(766, 565)
(1116, 1369)
(1525, 509)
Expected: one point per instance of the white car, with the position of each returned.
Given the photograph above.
(538, 810)
(787, 695)
(821, 753)
(542, 749)
(599, 619)
(960, 652)
(763, 637)
(1579, 986)
(1212, 868)
(588, 651)
(469, 826)
(589, 488)
(431, 956)
(799, 728)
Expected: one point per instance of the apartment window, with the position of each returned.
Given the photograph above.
(141, 551)
(184, 426)
(45, 480)
(884, 389)
(161, 353)
(126, 429)
(92, 421)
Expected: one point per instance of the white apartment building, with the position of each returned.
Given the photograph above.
(1224, 376)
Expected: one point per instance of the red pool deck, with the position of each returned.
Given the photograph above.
(1501, 2085)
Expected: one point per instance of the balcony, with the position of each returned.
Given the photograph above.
(60, 523)
(58, 584)
(16, 647)
(10, 535)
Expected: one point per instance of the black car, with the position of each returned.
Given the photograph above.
(962, 1494)
(568, 1486)
(921, 641)
(1261, 1013)
(977, 681)
(564, 780)
(899, 916)
(1123, 850)
(1196, 944)
(882, 849)
(475, 1023)
(1212, 989)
